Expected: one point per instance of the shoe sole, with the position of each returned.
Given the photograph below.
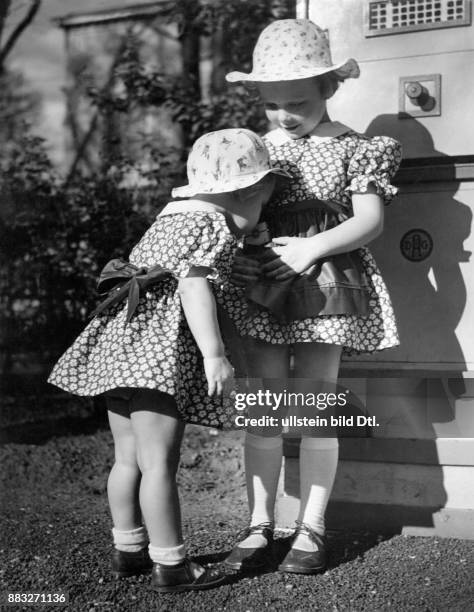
(180, 588)
(239, 565)
(301, 570)
(118, 575)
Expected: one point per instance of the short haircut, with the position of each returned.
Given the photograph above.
(328, 84)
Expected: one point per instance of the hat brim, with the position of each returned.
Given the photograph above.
(349, 69)
(187, 191)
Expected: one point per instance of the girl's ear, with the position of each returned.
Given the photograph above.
(263, 189)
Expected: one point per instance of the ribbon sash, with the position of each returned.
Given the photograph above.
(121, 280)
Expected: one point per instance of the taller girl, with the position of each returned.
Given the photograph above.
(319, 292)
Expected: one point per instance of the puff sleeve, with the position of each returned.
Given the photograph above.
(375, 160)
(206, 242)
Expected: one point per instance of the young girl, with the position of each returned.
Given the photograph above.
(319, 291)
(160, 359)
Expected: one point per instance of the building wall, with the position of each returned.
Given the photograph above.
(384, 59)
(40, 56)
(413, 470)
(433, 297)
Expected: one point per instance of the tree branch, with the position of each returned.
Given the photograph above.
(4, 8)
(24, 23)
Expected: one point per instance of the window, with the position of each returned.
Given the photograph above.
(396, 16)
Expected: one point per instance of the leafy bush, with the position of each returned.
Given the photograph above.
(54, 238)
(56, 234)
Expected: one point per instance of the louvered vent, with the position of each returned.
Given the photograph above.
(394, 16)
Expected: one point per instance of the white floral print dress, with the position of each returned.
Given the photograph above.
(156, 349)
(329, 166)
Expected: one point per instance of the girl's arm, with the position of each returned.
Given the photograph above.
(298, 254)
(201, 314)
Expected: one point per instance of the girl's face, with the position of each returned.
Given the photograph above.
(258, 194)
(296, 107)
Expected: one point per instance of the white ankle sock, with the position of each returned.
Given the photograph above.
(318, 464)
(262, 467)
(130, 541)
(172, 555)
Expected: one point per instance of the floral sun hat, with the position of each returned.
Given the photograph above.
(226, 160)
(291, 49)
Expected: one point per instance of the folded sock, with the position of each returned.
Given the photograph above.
(318, 464)
(262, 467)
(304, 542)
(171, 555)
(130, 541)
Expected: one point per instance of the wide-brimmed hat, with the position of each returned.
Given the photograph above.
(226, 160)
(290, 49)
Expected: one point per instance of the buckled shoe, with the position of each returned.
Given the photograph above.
(302, 561)
(251, 559)
(179, 578)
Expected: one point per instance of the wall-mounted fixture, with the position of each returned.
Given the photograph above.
(420, 96)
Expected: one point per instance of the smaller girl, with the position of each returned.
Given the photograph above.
(160, 359)
(318, 292)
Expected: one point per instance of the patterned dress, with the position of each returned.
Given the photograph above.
(330, 167)
(156, 349)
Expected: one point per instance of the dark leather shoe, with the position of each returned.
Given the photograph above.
(251, 559)
(178, 578)
(130, 563)
(304, 562)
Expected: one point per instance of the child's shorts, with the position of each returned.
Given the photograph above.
(125, 400)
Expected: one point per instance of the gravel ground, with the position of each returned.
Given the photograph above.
(55, 536)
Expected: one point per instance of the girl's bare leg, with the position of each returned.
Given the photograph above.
(124, 480)
(318, 453)
(124, 477)
(263, 452)
(158, 433)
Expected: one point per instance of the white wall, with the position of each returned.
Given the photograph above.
(383, 59)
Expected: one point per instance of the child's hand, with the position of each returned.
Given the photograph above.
(219, 375)
(295, 255)
(245, 270)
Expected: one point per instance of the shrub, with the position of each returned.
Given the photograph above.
(54, 238)
(56, 234)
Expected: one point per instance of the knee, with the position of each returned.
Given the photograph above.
(162, 462)
(253, 440)
(317, 361)
(126, 452)
(313, 443)
(127, 462)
